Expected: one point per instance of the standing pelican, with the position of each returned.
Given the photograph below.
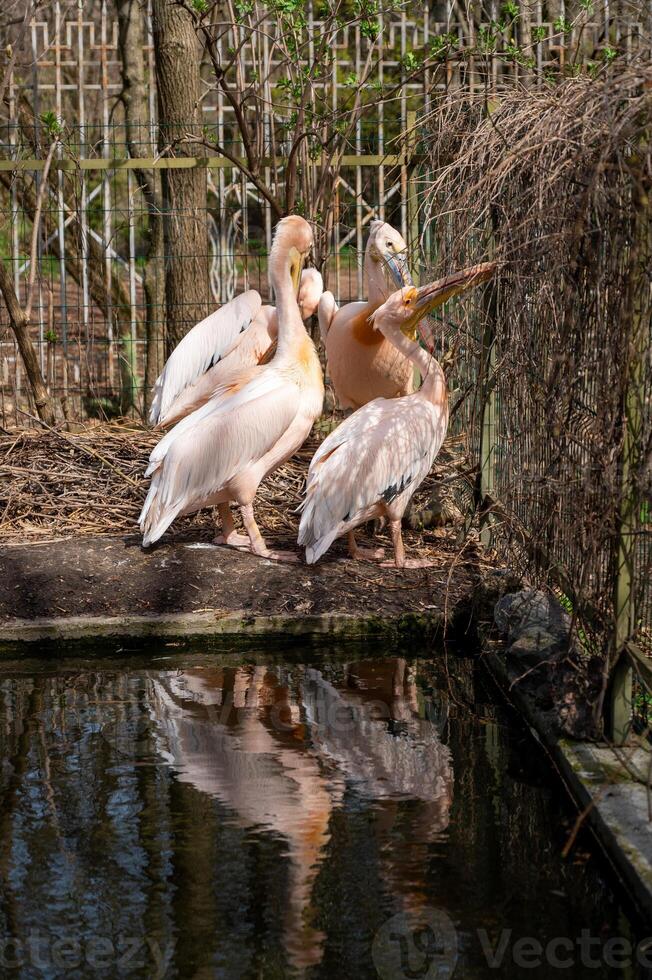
(239, 335)
(362, 363)
(254, 422)
(371, 465)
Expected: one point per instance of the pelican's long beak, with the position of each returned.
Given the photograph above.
(438, 292)
(398, 268)
(296, 276)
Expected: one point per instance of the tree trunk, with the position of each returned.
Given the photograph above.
(185, 231)
(20, 327)
(135, 92)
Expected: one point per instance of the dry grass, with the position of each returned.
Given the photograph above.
(55, 484)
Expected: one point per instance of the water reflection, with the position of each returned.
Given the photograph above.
(278, 748)
(233, 819)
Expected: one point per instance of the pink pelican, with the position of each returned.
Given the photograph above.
(362, 363)
(239, 335)
(371, 465)
(256, 419)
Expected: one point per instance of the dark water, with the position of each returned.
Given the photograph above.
(228, 816)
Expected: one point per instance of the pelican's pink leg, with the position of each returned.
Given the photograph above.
(257, 542)
(399, 551)
(360, 554)
(229, 535)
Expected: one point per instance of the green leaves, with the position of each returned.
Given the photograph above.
(200, 6)
(367, 11)
(244, 9)
(562, 25)
(52, 124)
(487, 39)
(510, 9)
(442, 44)
(286, 8)
(411, 62)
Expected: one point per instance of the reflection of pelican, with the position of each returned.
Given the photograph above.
(279, 762)
(246, 751)
(378, 739)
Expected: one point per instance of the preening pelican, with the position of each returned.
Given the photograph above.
(254, 421)
(362, 363)
(239, 335)
(371, 465)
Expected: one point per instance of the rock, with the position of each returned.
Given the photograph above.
(535, 645)
(531, 608)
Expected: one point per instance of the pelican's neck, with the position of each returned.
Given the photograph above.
(377, 288)
(290, 324)
(433, 386)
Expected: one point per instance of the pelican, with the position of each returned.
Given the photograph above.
(240, 334)
(252, 424)
(362, 363)
(371, 465)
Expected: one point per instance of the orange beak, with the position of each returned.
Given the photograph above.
(438, 292)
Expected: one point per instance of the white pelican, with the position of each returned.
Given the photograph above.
(362, 363)
(254, 422)
(371, 465)
(238, 335)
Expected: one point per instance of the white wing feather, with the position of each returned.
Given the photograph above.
(202, 347)
(201, 454)
(383, 450)
(224, 401)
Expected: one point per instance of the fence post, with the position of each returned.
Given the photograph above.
(620, 688)
(619, 706)
(488, 428)
(412, 196)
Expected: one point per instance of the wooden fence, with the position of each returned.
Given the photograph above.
(89, 244)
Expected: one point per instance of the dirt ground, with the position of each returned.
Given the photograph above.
(114, 575)
(69, 544)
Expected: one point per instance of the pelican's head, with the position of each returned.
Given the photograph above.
(310, 290)
(403, 311)
(291, 247)
(387, 251)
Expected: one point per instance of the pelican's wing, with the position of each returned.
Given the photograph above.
(382, 450)
(239, 426)
(202, 347)
(325, 312)
(247, 350)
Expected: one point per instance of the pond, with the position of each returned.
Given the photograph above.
(324, 814)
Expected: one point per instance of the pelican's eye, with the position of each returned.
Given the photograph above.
(389, 245)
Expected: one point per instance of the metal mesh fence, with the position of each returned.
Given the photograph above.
(99, 301)
(559, 350)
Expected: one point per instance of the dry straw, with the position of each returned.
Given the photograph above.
(554, 183)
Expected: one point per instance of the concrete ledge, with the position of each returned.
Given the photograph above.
(619, 811)
(241, 624)
(615, 801)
